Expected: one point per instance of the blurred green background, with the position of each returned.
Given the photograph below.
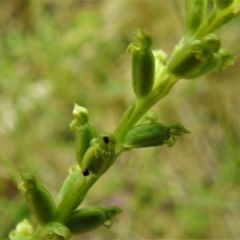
(55, 53)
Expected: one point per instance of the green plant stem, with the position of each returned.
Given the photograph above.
(134, 113)
(139, 108)
(129, 119)
(216, 19)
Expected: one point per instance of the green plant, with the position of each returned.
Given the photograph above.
(198, 52)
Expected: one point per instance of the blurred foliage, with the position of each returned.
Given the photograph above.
(57, 52)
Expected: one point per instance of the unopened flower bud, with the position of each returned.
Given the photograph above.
(90, 218)
(143, 64)
(38, 199)
(153, 134)
(189, 59)
(220, 60)
(84, 131)
(146, 135)
(195, 14)
(100, 155)
(212, 43)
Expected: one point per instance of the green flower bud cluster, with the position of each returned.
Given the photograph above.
(198, 57)
(99, 156)
(153, 134)
(90, 218)
(94, 155)
(143, 64)
(38, 198)
(219, 62)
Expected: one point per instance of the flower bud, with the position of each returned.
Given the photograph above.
(71, 186)
(90, 218)
(188, 59)
(153, 134)
(211, 43)
(143, 64)
(220, 60)
(38, 199)
(146, 135)
(100, 155)
(195, 14)
(84, 131)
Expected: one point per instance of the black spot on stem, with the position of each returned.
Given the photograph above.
(85, 172)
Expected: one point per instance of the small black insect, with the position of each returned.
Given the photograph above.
(106, 139)
(85, 172)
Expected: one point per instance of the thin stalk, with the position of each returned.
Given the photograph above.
(132, 116)
(217, 19)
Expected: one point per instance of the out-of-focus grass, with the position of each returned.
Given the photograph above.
(61, 52)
